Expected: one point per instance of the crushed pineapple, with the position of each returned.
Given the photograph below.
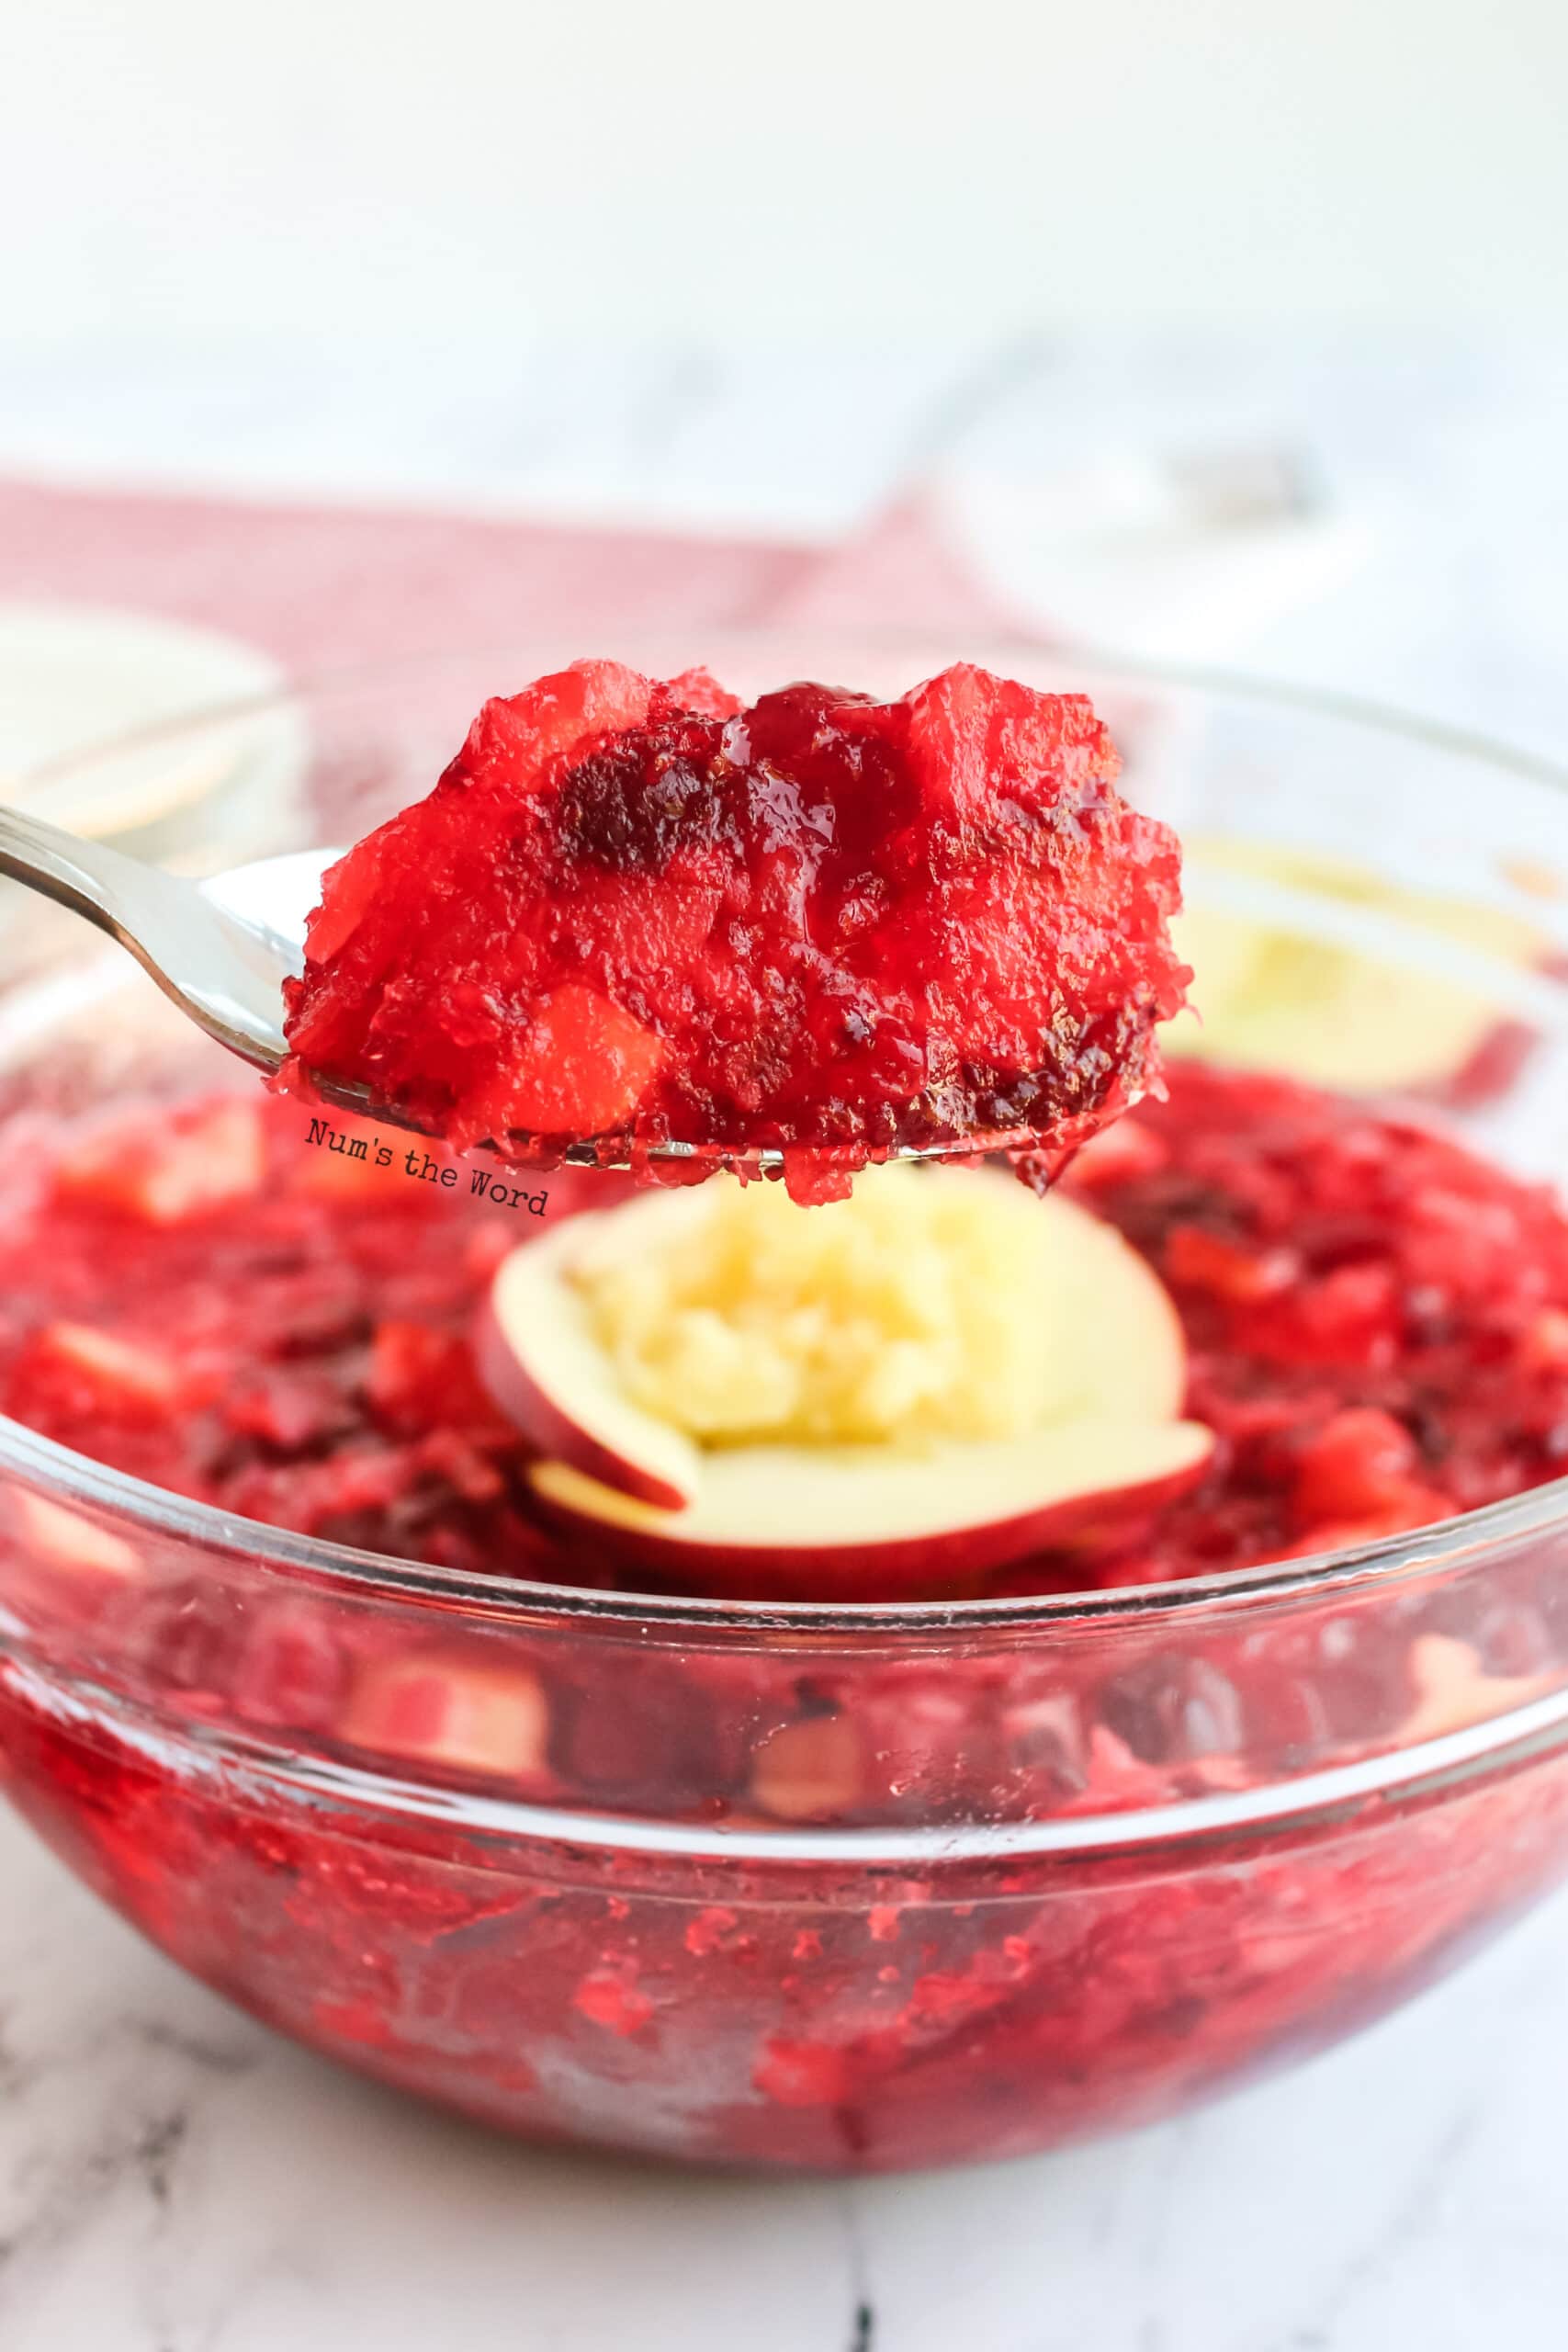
(1310, 1008)
(916, 1309)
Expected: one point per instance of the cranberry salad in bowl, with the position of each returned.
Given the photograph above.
(644, 1586)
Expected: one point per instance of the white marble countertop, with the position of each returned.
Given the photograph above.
(174, 2180)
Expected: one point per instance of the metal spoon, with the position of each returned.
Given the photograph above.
(221, 949)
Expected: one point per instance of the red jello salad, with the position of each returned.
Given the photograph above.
(579, 1821)
(1257, 1321)
(636, 913)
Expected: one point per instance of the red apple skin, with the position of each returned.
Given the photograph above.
(553, 1432)
(544, 1372)
(948, 1564)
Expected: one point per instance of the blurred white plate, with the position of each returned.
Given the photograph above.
(75, 676)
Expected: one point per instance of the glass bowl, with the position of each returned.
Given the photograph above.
(817, 1886)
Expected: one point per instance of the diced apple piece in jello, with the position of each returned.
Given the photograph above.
(446, 1707)
(186, 1164)
(1455, 1689)
(74, 1554)
(71, 1540)
(89, 1371)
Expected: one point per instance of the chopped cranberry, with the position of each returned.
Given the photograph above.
(309, 1362)
(1204, 1261)
(1361, 1461)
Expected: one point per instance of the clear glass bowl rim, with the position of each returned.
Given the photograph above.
(57, 1470)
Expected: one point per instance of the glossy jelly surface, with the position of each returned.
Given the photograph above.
(821, 925)
(1376, 1323)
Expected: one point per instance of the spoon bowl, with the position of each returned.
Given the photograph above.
(221, 948)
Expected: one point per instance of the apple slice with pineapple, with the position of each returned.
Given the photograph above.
(892, 1397)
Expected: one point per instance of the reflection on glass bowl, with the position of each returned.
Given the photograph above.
(812, 1885)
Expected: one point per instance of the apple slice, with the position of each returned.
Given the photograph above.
(1334, 1015)
(809, 1522)
(1082, 1441)
(538, 1357)
(1122, 1355)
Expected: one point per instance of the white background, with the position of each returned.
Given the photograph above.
(492, 168)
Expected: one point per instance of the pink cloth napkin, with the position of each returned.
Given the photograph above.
(319, 586)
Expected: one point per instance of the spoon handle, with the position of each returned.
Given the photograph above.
(114, 891)
(214, 951)
(224, 969)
